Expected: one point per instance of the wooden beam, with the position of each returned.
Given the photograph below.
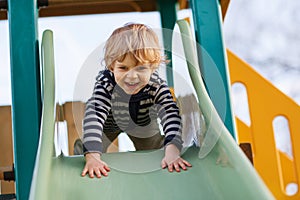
(6, 147)
(224, 7)
(80, 7)
(183, 4)
(3, 14)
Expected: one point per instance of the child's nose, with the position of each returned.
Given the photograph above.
(132, 74)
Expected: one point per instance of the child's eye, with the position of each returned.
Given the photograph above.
(141, 68)
(123, 68)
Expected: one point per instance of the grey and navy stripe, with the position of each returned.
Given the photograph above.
(111, 110)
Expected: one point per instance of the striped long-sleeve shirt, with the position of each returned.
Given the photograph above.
(110, 110)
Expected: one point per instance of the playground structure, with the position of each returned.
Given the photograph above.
(276, 169)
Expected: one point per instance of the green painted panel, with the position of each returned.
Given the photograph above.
(212, 58)
(168, 15)
(26, 97)
(131, 178)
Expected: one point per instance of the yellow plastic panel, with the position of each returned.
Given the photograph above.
(265, 103)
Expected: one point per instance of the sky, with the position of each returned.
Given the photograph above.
(265, 35)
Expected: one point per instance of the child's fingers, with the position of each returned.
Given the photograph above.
(104, 171)
(97, 172)
(170, 167)
(186, 163)
(176, 166)
(163, 164)
(84, 171)
(91, 173)
(106, 168)
(101, 170)
(182, 165)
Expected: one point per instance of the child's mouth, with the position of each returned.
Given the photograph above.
(131, 85)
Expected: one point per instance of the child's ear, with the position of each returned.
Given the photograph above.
(110, 68)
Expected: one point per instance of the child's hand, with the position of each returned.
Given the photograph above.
(172, 159)
(94, 165)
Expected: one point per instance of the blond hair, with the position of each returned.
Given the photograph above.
(136, 40)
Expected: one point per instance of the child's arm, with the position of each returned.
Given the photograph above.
(172, 159)
(94, 165)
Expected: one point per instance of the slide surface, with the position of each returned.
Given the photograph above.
(220, 169)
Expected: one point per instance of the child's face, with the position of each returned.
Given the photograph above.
(130, 75)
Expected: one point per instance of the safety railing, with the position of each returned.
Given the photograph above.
(265, 104)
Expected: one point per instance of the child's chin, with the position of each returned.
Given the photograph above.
(131, 92)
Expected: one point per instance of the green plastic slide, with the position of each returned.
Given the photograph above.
(220, 169)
